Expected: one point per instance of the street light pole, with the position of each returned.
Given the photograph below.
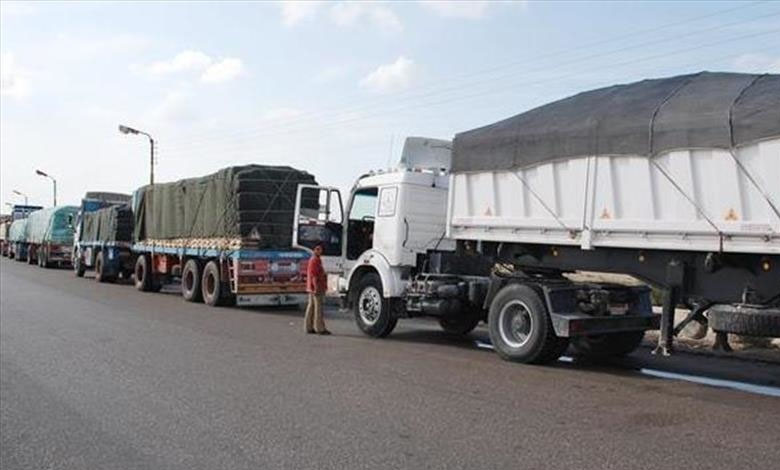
(19, 193)
(130, 130)
(53, 181)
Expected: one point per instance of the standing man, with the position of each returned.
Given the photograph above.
(316, 285)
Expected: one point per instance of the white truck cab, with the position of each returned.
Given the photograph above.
(390, 218)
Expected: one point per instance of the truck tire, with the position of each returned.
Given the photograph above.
(520, 328)
(100, 269)
(78, 267)
(212, 287)
(144, 279)
(462, 324)
(190, 281)
(607, 345)
(743, 320)
(30, 258)
(373, 314)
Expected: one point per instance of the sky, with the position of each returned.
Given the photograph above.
(329, 87)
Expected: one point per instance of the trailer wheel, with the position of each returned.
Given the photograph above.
(144, 279)
(78, 266)
(211, 285)
(190, 281)
(30, 258)
(373, 314)
(743, 320)
(100, 269)
(460, 324)
(521, 329)
(607, 345)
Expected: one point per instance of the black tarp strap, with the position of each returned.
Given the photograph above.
(733, 148)
(651, 131)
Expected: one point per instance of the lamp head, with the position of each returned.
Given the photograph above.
(39, 172)
(127, 130)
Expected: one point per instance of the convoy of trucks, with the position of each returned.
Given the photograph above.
(672, 181)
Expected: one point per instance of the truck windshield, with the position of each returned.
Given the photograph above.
(363, 205)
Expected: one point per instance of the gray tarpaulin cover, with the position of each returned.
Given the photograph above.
(110, 224)
(253, 202)
(704, 110)
(53, 224)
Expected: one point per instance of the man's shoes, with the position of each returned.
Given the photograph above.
(310, 332)
(324, 333)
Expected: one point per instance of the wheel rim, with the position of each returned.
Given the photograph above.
(210, 284)
(189, 281)
(515, 324)
(370, 305)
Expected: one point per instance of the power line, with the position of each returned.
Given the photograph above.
(439, 90)
(492, 90)
(377, 142)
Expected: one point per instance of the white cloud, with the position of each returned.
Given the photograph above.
(472, 10)
(223, 70)
(391, 77)
(211, 70)
(181, 62)
(14, 79)
(357, 13)
(294, 12)
(757, 63)
(10, 9)
(175, 108)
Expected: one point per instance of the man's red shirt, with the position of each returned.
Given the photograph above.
(316, 279)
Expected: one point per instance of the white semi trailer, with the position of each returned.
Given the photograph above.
(675, 181)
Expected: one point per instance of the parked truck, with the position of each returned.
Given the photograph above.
(673, 181)
(104, 243)
(17, 240)
(226, 236)
(49, 236)
(5, 224)
(18, 211)
(103, 236)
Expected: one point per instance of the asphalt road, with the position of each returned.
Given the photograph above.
(104, 377)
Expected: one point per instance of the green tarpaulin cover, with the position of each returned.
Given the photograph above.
(110, 224)
(252, 202)
(51, 225)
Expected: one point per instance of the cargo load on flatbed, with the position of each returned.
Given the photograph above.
(17, 231)
(51, 225)
(241, 206)
(686, 163)
(110, 224)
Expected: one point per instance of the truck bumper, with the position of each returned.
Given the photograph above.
(269, 300)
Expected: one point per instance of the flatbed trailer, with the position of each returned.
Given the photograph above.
(242, 276)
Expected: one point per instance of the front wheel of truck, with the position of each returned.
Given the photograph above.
(100, 269)
(78, 266)
(520, 327)
(373, 314)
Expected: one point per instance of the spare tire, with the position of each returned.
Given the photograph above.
(744, 320)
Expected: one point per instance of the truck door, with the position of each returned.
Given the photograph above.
(319, 219)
